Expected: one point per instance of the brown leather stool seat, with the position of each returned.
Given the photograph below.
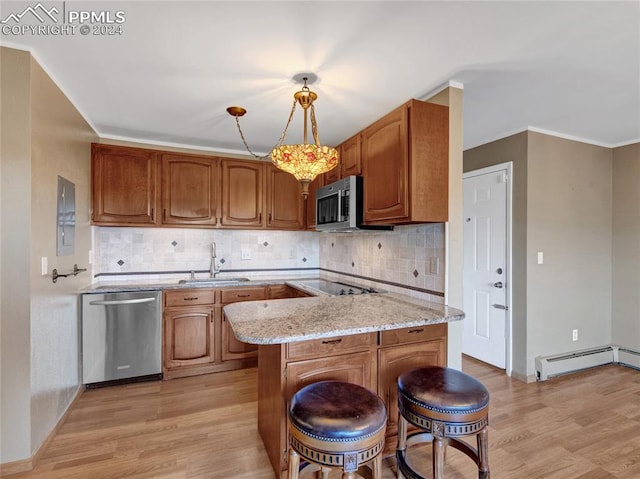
(335, 424)
(444, 404)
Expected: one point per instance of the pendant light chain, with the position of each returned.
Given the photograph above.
(314, 126)
(282, 137)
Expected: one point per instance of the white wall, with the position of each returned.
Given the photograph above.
(626, 247)
(569, 220)
(43, 136)
(60, 146)
(15, 437)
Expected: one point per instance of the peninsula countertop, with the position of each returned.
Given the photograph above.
(280, 321)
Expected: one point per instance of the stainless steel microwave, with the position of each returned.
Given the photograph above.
(339, 207)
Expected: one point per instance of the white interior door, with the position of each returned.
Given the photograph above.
(485, 298)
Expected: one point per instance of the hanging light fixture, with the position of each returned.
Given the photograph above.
(304, 161)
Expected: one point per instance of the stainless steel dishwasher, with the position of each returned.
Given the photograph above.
(121, 337)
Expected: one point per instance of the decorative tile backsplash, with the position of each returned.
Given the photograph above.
(148, 250)
(410, 255)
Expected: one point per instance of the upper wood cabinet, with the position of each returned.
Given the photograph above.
(284, 200)
(124, 185)
(405, 164)
(190, 189)
(310, 204)
(350, 157)
(242, 193)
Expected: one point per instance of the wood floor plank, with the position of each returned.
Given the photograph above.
(581, 426)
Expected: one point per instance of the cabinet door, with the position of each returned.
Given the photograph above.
(232, 348)
(335, 174)
(242, 193)
(189, 337)
(350, 157)
(124, 185)
(189, 190)
(284, 200)
(385, 166)
(395, 360)
(311, 202)
(353, 368)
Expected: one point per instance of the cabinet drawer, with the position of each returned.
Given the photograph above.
(236, 295)
(329, 346)
(189, 297)
(412, 335)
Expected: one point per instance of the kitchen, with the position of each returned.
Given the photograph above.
(50, 138)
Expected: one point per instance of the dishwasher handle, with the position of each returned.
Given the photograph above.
(122, 301)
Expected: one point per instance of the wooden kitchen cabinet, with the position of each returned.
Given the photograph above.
(242, 193)
(426, 348)
(405, 164)
(350, 163)
(310, 203)
(332, 175)
(232, 348)
(282, 291)
(285, 368)
(189, 330)
(285, 205)
(197, 337)
(374, 360)
(190, 190)
(124, 186)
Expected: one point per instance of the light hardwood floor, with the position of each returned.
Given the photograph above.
(585, 425)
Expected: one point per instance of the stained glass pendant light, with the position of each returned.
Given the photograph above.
(304, 161)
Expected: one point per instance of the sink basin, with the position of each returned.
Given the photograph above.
(212, 280)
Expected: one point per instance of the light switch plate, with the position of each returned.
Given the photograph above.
(44, 266)
(540, 257)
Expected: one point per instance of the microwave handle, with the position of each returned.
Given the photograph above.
(339, 215)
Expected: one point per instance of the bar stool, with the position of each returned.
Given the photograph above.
(444, 404)
(335, 424)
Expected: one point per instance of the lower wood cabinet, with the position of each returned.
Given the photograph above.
(373, 360)
(232, 348)
(189, 337)
(198, 339)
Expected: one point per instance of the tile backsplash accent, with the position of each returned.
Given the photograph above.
(148, 250)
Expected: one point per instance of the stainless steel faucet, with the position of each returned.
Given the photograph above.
(213, 269)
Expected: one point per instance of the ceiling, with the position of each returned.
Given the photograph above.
(567, 68)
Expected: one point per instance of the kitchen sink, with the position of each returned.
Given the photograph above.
(213, 281)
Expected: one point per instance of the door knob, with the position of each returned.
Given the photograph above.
(498, 284)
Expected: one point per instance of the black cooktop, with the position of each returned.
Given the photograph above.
(336, 288)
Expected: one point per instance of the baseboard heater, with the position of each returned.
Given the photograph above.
(551, 366)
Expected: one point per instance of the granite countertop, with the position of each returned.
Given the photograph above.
(287, 320)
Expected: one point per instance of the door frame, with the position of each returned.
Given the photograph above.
(508, 167)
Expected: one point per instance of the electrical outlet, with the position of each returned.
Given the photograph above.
(575, 335)
(245, 253)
